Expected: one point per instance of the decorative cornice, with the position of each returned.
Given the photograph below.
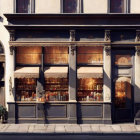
(74, 20)
(73, 48)
(138, 50)
(107, 36)
(107, 49)
(12, 35)
(137, 36)
(11, 50)
(72, 35)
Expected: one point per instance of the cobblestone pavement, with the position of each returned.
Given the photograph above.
(69, 128)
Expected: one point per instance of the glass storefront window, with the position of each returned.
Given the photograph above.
(123, 60)
(56, 55)
(122, 92)
(26, 89)
(117, 6)
(90, 55)
(56, 89)
(28, 55)
(90, 89)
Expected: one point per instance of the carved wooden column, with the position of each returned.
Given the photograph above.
(72, 80)
(12, 106)
(107, 84)
(107, 68)
(137, 84)
(40, 90)
(107, 37)
(72, 72)
(107, 79)
(137, 69)
(107, 74)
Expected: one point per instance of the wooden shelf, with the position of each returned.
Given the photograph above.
(89, 90)
(26, 89)
(57, 90)
(56, 83)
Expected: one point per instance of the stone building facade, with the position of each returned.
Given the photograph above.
(70, 61)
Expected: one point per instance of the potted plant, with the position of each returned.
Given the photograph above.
(3, 114)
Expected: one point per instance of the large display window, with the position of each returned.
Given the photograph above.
(26, 89)
(56, 89)
(56, 73)
(90, 74)
(90, 89)
(122, 92)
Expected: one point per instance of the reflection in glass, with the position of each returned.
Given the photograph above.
(90, 55)
(117, 6)
(122, 92)
(70, 6)
(28, 55)
(22, 6)
(90, 89)
(26, 89)
(123, 60)
(56, 55)
(56, 89)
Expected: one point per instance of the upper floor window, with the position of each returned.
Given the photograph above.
(24, 6)
(71, 6)
(119, 6)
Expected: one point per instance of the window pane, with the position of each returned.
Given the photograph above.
(56, 55)
(123, 92)
(90, 55)
(56, 89)
(117, 6)
(123, 60)
(70, 6)
(28, 55)
(26, 89)
(22, 6)
(90, 89)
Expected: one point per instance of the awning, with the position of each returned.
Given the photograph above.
(124, 79)
(56, 72)
(90, 72)
(27, 72)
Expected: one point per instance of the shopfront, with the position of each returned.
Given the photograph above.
(74, 75)
(123, 85)
(42, 85)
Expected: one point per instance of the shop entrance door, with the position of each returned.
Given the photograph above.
(122, 88)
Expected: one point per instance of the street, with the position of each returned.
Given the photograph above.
(70, 137)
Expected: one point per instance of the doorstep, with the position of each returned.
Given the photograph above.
(69, 129)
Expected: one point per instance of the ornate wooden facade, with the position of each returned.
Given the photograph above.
(113, 32)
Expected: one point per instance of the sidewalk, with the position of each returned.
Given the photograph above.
(69, 129)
